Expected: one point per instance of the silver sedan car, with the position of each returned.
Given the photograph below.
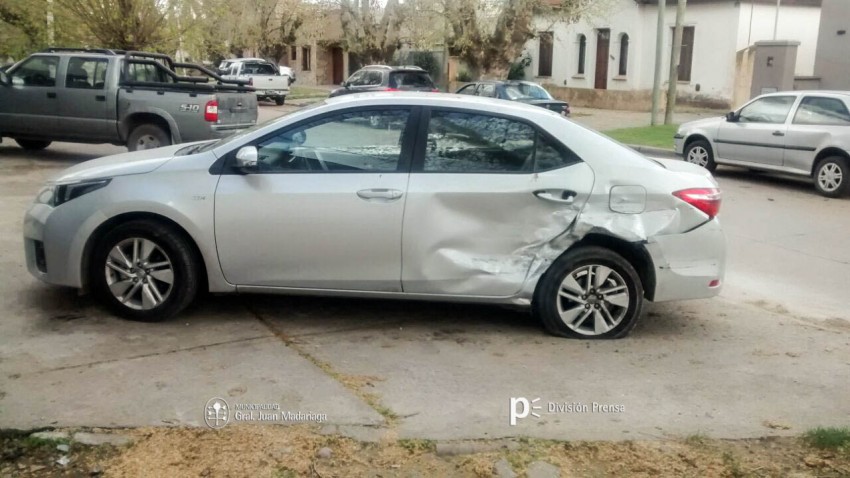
(444, 197)
(804, 133)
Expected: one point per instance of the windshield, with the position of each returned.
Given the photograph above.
(200, 148)
(523, 91)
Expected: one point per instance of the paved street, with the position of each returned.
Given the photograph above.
(771, 355)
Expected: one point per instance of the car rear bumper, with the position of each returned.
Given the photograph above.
(689, 265)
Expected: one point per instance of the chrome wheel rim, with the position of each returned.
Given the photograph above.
(830, 177)
(147, 141)
(698, 155)
(139, 273)
(593, 299)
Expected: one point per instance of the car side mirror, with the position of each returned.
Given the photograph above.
(246, 159)
(4, 78)
(732, 117)
(346, 85)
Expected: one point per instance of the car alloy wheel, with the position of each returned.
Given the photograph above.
(592, 299)
(147, 142)
(590, 292)
(699, 153)
(830, 177)
(139, 273)
(145, 270)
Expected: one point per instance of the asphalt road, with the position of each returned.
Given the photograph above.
(771, 355)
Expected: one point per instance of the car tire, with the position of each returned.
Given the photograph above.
(568, 306)
(700, 153)
(832, 177)
(147, 136)
(32, 144)
(138, 288)
(280, 100)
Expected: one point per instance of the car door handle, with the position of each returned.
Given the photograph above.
(100, 98)
(51, 95)
(562, 196)
(778, 133)
(381, 194)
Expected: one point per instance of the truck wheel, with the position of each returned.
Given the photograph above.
(147, 136)
(32, 144)
(279, 100)
(145, 270)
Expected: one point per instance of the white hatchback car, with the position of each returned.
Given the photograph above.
(453, 198)
(805, 133)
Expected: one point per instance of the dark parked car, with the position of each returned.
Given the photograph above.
(523, 91)
(386, 78)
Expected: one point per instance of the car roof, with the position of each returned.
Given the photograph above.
(393, 68)
(445, 100)
(808, 92)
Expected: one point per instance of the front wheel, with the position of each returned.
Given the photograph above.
(144, 270)
(832, 177)
(589, 293)
(32, 144)
(700, 153)
(147, 136)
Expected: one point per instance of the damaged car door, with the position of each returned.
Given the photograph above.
(487, 195)
(322, 208)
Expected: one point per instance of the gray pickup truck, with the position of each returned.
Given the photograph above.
(125, 98)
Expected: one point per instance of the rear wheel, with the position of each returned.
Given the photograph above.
(280, 100)
(832, 177)
(144, 270)
(699, 152)
(32, 144)
(589, 293)
(147, 136)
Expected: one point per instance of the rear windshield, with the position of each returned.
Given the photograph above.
(258, 69)
(410, 79)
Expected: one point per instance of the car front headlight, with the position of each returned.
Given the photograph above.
(45, 196)
(63, 193)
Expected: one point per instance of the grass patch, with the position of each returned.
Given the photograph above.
(660, 136)
(828, 438)
(35, 442)
(302, 92)
(418, 445)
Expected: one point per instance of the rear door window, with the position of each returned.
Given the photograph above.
(258, 69)
(86, 73)
(818, 110)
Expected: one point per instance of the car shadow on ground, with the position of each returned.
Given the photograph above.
(63, 310)
(13, 152)
(796, 183)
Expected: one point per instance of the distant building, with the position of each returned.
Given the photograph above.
(609, 60)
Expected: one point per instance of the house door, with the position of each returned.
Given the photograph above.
(603, 40)
(336, 60)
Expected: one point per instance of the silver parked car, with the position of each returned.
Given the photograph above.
(805, 133)
(454, 198)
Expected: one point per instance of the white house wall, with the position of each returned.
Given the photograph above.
(798, 23)
(720, 29)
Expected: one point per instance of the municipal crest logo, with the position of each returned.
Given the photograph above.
(216, 413)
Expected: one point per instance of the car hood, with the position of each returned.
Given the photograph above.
(137, 162)
(702, 123)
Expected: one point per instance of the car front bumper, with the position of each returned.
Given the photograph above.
(689, 265)
(679, 144)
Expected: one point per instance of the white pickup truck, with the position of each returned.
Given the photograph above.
(260, 74)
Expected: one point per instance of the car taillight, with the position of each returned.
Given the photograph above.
(706, 200)
(391, 89)
(435, 90)
(211, 111)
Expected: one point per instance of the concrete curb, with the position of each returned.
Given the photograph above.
(657, 152)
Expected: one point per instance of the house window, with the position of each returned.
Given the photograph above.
(582, 53)
(687, 55)
(305, 58)
(293, 53)
(624, 55)
(544, 67)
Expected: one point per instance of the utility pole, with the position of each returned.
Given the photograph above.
(659, 54)
(51, 35)
(674, 62)
(776, 19)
